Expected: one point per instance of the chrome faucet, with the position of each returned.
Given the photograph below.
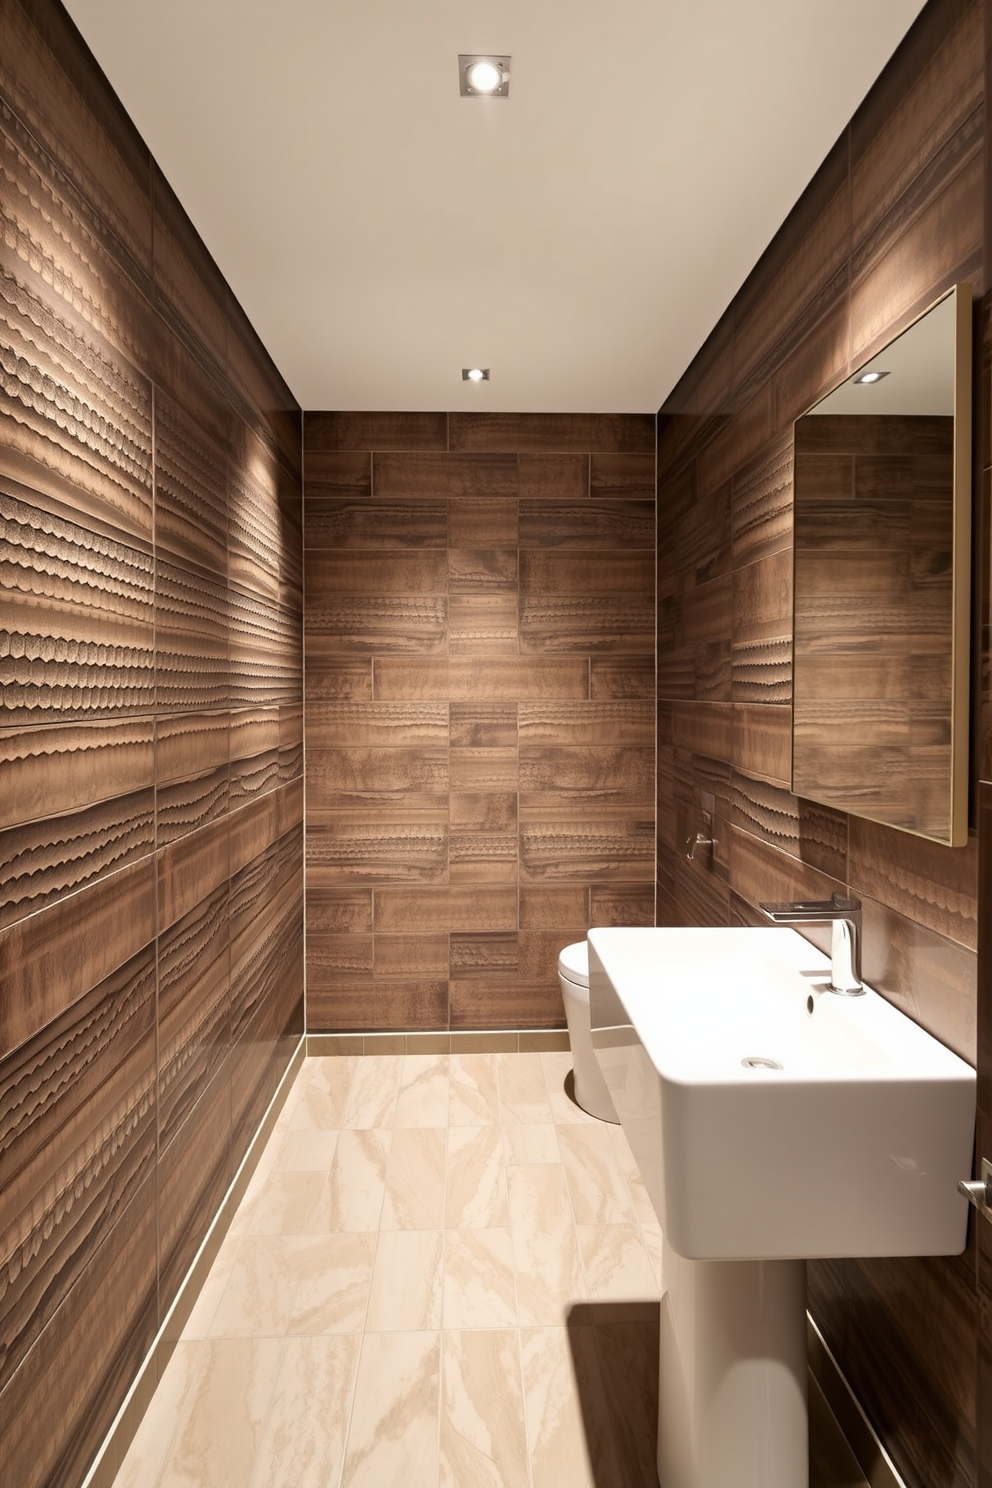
(844, 918)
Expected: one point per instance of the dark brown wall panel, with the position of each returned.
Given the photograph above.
(894, 216)
(151, 733)
(479, 800)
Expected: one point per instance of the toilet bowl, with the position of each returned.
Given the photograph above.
(590, 1087)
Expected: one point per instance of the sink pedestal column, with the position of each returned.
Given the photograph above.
(732, 1395)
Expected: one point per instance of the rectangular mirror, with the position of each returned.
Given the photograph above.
(882, 529)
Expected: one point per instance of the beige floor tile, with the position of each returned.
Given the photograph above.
(406, 1282)
(304, 1436)
(530, 1144)
(352, 1196)
(476, 1186)
(258, 1298)
(474, 1099)
(393, 1441)
(549, 1274)
(479, 1289)
(616, 1264)
(651, 1235)
(197, 1325)
(629, 1172)
(306, 1151)
(221, 1427)
(568, 1424)
(334, 1075)
(483, 1441)
(415, 1180)
(374, 1088)
(523, 1095)
(538, 1196)
(152, 1442)
(318, 1109)
(556, 1065)
(594, 1184)
(289, 1203)
(423, 1094)
(333, 1277)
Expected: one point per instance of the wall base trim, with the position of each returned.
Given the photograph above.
(113, 1449)
(872, 1458)
(463, 1041)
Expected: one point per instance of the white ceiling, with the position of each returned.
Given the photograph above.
(580, 238)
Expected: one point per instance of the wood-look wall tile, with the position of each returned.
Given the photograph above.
(617, 572)
(506, 1002)
(358, 724)
(481, 857)
(190, 490)
(483, 953)
(339, 911)
(630, 476)
(576, 623)
(397, 476)
(350, 846)
(195, 1169)
(53, 957)
(332, 574)
(258, 389)
(337, 679)
(738, 441)
(817, 364)
(190, 869)
(482, 570)
(44, 860)
(402, 911)
(193, 1010)
(594, 525)
(607, 433)
(345, 954)
(931, 978)
(484, 769)
(56, 768)
(590, 778)
(254, 828)
(762, 648)
(411, 956)
(266, 934)
(586, 723)
(255, 516)
(377, 1006)
(704, 537)
(403, 623)
(191, 633)
(374, 431)
(547, 477)
(78, 620)
(762, 739)
(762, 873)
(62, 1401)
(483, 811)
(699, 897)
(333, 476)
(78, 1142)
(619, 678)
(815, 834)
(704, 728)
(189, 804)
(762, 504)
(625, 904)
(618, 849)
(563, 907)
(265, 651)
(502, 679)
(348, 525)
(937, 884)
(256, 743)
(387, 778)
(483, 725)
(190, 291)
(482, 622)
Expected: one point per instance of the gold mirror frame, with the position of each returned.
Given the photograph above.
(882, 587)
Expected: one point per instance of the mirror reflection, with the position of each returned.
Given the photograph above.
(882, 519)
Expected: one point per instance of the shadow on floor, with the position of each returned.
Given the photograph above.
(615, 1357)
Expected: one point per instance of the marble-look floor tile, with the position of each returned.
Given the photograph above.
(474, 1100)
(629, 1172)
(594, 1184)
(334, 1275)
(479, 1289)
(289, 1204)
(393, 1441)
(414, 1198)
(616, 1263)
(220, 1430)
(538, 1195)
(258, 1298)
(483, 1441)
(569, 1432)
(334, 1075)
(476, 1187)
(406, 1282)
(152, 1442)
(352, 1196)
(545, 1253)
(523, 1095)
(373, 1092)
(304, 1436)
(530, 1144)
(306, 1151)
(651, 1235)
(423, 1093)
(197, 1325)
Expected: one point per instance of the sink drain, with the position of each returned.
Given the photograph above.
(757, 1061)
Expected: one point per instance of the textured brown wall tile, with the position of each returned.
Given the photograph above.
(374, 431)
(607, 433)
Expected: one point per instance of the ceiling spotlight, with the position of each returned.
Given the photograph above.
(867, 378)
(483, 76)
(475, 374)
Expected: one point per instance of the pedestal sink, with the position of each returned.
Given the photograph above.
(772, 1121)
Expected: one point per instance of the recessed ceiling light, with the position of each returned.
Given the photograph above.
(475, 374)
(867, 378)
(483, 75)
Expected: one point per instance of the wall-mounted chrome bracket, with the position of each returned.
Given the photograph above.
(979, 1190)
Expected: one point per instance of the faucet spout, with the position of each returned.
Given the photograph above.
(844, 918)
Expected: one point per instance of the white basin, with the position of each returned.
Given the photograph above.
(853, 1148)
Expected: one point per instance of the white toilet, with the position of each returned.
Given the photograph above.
(590, 1087)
